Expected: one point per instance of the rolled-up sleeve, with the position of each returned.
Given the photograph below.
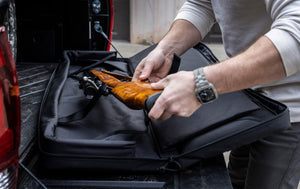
(199, 13)
(285, 32)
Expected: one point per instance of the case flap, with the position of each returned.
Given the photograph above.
(228, 108)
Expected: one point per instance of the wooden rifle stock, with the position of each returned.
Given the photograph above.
(132, 93)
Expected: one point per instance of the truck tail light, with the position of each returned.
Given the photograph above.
(9, 115)
(111, 24)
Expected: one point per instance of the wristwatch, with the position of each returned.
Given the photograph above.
(205, 91)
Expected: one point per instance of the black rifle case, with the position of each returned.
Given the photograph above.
(110, 136)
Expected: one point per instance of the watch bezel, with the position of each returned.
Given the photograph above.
(208, 89)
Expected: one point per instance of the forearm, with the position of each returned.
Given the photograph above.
(259, 64)
(182, 36)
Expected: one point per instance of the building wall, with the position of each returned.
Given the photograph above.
(147, 21)
(151, 19)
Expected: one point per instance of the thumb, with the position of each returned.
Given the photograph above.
(161, 84)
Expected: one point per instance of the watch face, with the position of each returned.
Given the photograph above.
(207, 95)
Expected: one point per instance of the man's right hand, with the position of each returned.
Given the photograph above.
(153, 67)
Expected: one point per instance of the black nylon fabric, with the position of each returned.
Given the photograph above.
(110, 128)
(112, 136)
(205, 119)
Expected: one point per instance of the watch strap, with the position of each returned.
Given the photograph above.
(203, 84)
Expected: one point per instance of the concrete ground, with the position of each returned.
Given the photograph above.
(127, 50)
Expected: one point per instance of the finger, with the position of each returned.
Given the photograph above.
(158, 85)
(137, 72)
(135, 76)
(161, 84)
(157, 110)
(165, 116)
(156, 113)
(146, 71)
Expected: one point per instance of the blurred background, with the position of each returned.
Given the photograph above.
(147, 21)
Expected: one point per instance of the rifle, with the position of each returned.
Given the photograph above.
(134, 94)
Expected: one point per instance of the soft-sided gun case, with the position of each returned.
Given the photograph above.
(91, 133)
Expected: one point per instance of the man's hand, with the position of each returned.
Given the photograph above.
(182, 36)
(178, 97)
(154, 67)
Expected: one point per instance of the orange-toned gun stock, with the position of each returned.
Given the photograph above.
(132, 93)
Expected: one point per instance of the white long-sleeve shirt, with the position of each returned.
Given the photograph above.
(242, 22)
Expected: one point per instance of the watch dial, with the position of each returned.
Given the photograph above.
(207, 95)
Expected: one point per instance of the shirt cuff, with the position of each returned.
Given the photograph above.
(288, 48)
(202, 22)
